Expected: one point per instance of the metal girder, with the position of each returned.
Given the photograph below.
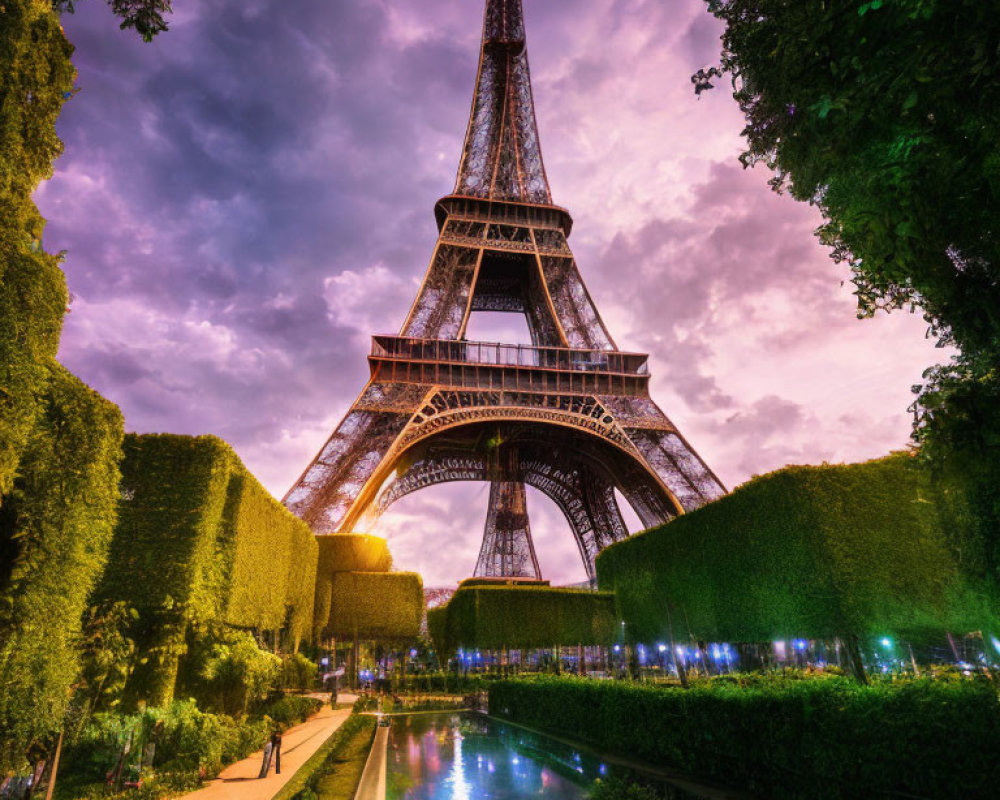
(507, 550)
(574, 411)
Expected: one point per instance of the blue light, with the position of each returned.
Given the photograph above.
(887, 642)
(800, 644)
(661, 647)
(617, 648)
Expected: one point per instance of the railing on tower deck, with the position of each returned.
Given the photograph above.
(452, 351)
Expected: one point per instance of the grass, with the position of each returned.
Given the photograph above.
(333, 771)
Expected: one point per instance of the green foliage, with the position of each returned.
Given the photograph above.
(199, 540)
(289, 709)
(270, 559)
(861, 549)
(345, 552)
(145, 16)
(298, 673)
(437, 629)
(886, 116)
(333, 771)
(188, 742)
(300, 584)
(521, 617)
(236, 672)
(443, 683)
(820, 739)
(353, 552)
(54, 531)
(35, 76)
(620, 789)
(376, 605)
(107, 654)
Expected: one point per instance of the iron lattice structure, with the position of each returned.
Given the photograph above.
(569, 415)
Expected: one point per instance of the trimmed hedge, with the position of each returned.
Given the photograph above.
(344, 552)
(862, 549)
(521, 617)
(55, 527)
(375, 605)
(816, 739)
(35, 76)
(200, 540)
(443, 683)
(353, 552)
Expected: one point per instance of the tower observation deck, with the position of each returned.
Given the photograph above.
(570, 414)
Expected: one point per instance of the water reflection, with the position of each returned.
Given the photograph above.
(462, 756)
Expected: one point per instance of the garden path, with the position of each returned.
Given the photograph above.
(239, 781)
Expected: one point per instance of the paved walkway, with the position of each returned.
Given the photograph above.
(239, 781)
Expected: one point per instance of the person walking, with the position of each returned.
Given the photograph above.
(265, 767)
(334, 690)
(276, 751)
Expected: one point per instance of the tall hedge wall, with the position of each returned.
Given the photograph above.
(804, 551)
(55, 527)
(345, 552)
(522, 617)
(375, 605)
(35, 74)
(198, 540)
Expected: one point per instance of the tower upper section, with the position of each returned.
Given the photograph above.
(502, 158)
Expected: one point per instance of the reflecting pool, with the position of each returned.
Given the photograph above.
(464, 756)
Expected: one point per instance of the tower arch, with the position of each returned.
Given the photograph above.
(571, 411)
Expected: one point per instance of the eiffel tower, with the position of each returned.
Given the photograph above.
(569, 414)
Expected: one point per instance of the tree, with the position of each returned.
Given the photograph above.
(886, 115)
(145, 16)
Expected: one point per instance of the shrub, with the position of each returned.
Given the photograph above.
(444, 683)
(344, 552)
(299, 673)
(289, 710)
(620, 789)
(818, 739)
(227, 672)
(187, 741)
(54, 529)
(200, 541)
(521, 617)
(862, 549)
(376, 605)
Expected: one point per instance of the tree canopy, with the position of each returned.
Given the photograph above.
(885, 114)
(145, 16)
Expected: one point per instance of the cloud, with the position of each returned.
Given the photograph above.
(246, 200)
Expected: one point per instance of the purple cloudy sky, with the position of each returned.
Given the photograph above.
(247, 199)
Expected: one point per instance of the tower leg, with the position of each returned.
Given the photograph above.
(507, 550)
